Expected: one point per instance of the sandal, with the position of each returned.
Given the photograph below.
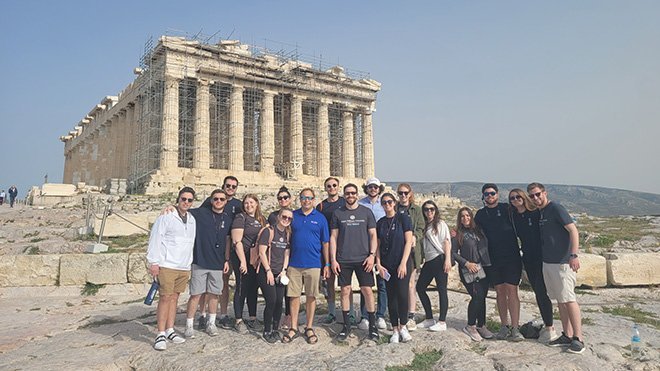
(287, 338)
(311, 339)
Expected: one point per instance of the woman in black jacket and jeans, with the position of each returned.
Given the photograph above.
(470, 250)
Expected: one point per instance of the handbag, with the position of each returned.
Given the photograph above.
(470, 277)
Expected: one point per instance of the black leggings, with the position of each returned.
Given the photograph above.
(534, 269)
(274, 295)
(246, 288)
(478, 291)
(398, 295)
(433, 269)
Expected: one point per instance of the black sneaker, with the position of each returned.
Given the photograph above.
(373, 333)
(253, 325)
(344, 333)
(201, 323)
(562, 341)
(270, 337)
(576, 347)
(226, 323)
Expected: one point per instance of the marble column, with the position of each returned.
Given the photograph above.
(368, 145)
(323, 141)
(267, 132)
(296, 136)
(236, 129)
(131, 137)
(349, 146)
(202, 127)
(169, 155)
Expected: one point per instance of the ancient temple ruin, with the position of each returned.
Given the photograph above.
(197, 112)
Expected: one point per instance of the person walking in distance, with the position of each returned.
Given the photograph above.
(13, 192)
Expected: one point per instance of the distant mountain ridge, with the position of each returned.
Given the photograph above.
(597, 201)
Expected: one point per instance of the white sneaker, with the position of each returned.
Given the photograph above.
(211, 329)
(440, 326)
(189, 333)
(405, 335)
(175, 338)
(380, 323)
(411, 324)
(160, 343)
(426, 323)
(547, 335)
(395, 338)
(364, 324)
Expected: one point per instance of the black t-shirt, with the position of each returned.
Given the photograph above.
(527, 228)
(502, 241)
(391, 235)
(328, 208)
(556, 241)
(272, 218)
(277, 248)
(353, 237)
(210, 238)
(250, 227)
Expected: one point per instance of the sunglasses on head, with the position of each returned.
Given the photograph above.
(286, 217)
(403, 193)
(429, 209)
(486, 194)
(515, 198)
(280, 198)
(306, 198)
(231, 186)
(387, 202)
(331, 185)
(535, 195)
(183, 199)
(215, 199)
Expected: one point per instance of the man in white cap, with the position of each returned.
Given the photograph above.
(373, 188)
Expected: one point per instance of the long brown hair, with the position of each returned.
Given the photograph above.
(411, 197)
(433, 223)
(257, 211)
(461, 229)
(527, 202)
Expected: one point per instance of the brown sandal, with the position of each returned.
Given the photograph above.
(311, 339)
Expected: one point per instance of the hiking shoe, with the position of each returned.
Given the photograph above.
(364, 324)
(201, 323)
(160, 343)
(394, 339)
(253, 325)
(484, 332)
(472, 332)
(330, 318)
(212, 330)
(344, 333)
(270, 337)
(561, 341)
(411, 325)
(405, 335)
(189, 333)
(426, 323)
(241, 328)
(373, 333)
(505, 332)
(516, 336)
(547, 335)
(175, 338)
(225, 323)
(380, 323)
(439, 326)
(576, 347)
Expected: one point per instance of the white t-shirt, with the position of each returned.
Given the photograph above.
(433, 243)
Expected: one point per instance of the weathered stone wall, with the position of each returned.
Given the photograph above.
(633, 269)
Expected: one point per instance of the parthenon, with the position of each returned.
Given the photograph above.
(197, 112)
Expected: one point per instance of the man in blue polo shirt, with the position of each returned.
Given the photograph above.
(309, 238)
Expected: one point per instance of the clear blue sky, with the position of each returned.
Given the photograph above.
(507, 91)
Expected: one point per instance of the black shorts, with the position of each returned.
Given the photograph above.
(346, 275)
(505, 272)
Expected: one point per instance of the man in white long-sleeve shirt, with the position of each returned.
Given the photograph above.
(169, 256)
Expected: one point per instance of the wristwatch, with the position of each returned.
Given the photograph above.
(573, 256)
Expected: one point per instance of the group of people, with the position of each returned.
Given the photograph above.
(13, 192)
(383, 239)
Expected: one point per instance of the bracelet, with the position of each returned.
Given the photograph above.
(327, 264)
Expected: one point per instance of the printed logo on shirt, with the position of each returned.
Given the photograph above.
(281, 239)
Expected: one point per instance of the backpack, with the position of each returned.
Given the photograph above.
(531, 330)
(254, 250)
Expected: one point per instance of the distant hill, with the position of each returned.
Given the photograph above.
(597, 201)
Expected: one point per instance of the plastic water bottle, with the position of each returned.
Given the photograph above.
(635, 342)
(152, 293)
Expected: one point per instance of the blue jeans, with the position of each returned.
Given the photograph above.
(381, 303)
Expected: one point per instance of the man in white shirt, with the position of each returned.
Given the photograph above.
(169, 256)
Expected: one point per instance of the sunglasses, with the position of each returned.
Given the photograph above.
(387, 202)
(350, 193)
(286, 217)
(515, 198)
(373, 186)
(183, 199)
(535, 195)
(280, 198)
(429, 209)
(403, 193)
(231, 186)
(215, 199)
(306, 198)
(331, 186)
(486, 194)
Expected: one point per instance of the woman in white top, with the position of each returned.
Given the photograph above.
(437, 257)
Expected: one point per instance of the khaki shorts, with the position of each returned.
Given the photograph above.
(310, 277)
(560, 282)
(172, 281)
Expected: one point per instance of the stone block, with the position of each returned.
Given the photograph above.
(126, 225)
(56, 189)
(29, 270)
(77, 269)
(96, 248)
(633, 269)
(137, 268)
(593, 271)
